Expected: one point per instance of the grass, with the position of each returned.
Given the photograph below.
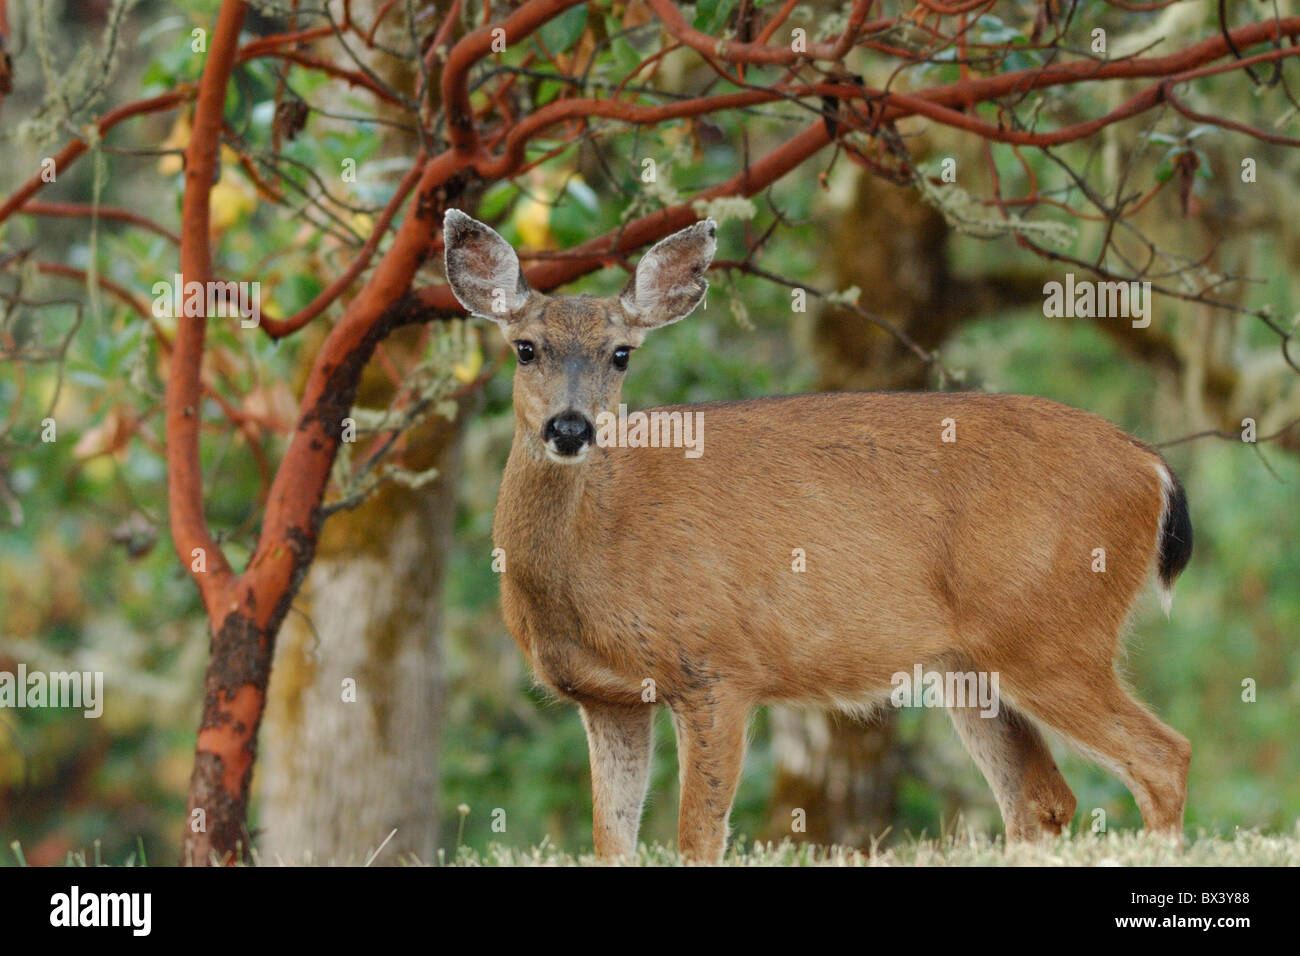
(1129, 848)
(960, 848)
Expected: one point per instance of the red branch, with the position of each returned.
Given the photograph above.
(86, 211)
(473, 47)
(232, 707)
(66, 156)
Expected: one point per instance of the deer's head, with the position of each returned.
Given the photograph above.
(573, 350)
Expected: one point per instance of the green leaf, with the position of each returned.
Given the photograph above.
(1163, 138)
(712, 15)
(991, 30)
(496, 199)
(625, 56)
(563, 32)
(584, 194)
(547, 90)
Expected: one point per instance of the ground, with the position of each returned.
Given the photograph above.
(1131, 848)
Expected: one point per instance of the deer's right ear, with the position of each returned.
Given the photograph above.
(482, 270)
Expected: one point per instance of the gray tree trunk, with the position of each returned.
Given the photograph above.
(350, 739)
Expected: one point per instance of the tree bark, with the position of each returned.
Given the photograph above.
(353, 722)
(354, 716)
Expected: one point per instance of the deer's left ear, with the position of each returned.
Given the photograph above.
(482, 270)
(669, 280)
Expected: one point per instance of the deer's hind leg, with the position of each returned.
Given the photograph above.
(1100, 717)
(1033, 797)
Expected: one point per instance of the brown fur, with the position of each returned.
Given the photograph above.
(640, 563)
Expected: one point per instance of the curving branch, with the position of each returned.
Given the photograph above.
(73, 150)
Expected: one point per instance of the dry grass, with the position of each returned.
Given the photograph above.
(961, 848)
(1130, 848)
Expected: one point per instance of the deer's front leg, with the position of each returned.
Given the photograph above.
(710, 754)
(619, 740)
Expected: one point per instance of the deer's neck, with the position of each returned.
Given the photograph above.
(543, 507)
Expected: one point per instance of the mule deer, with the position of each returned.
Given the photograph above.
(954, 531)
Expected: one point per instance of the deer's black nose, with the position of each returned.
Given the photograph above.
(569, 432)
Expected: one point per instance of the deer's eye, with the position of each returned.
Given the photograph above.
(620, 356)
(525, 351)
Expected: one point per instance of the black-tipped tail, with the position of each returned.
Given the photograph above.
(1175, 533)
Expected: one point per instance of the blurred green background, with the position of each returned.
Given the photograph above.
(88, 579)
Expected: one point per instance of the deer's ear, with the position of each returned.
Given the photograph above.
(669, 280)
(482, 270)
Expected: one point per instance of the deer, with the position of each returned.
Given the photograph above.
(959, 531)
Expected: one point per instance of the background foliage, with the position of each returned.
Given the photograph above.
(88, 581)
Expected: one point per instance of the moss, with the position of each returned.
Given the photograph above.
(295, 672)
(383, 638)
